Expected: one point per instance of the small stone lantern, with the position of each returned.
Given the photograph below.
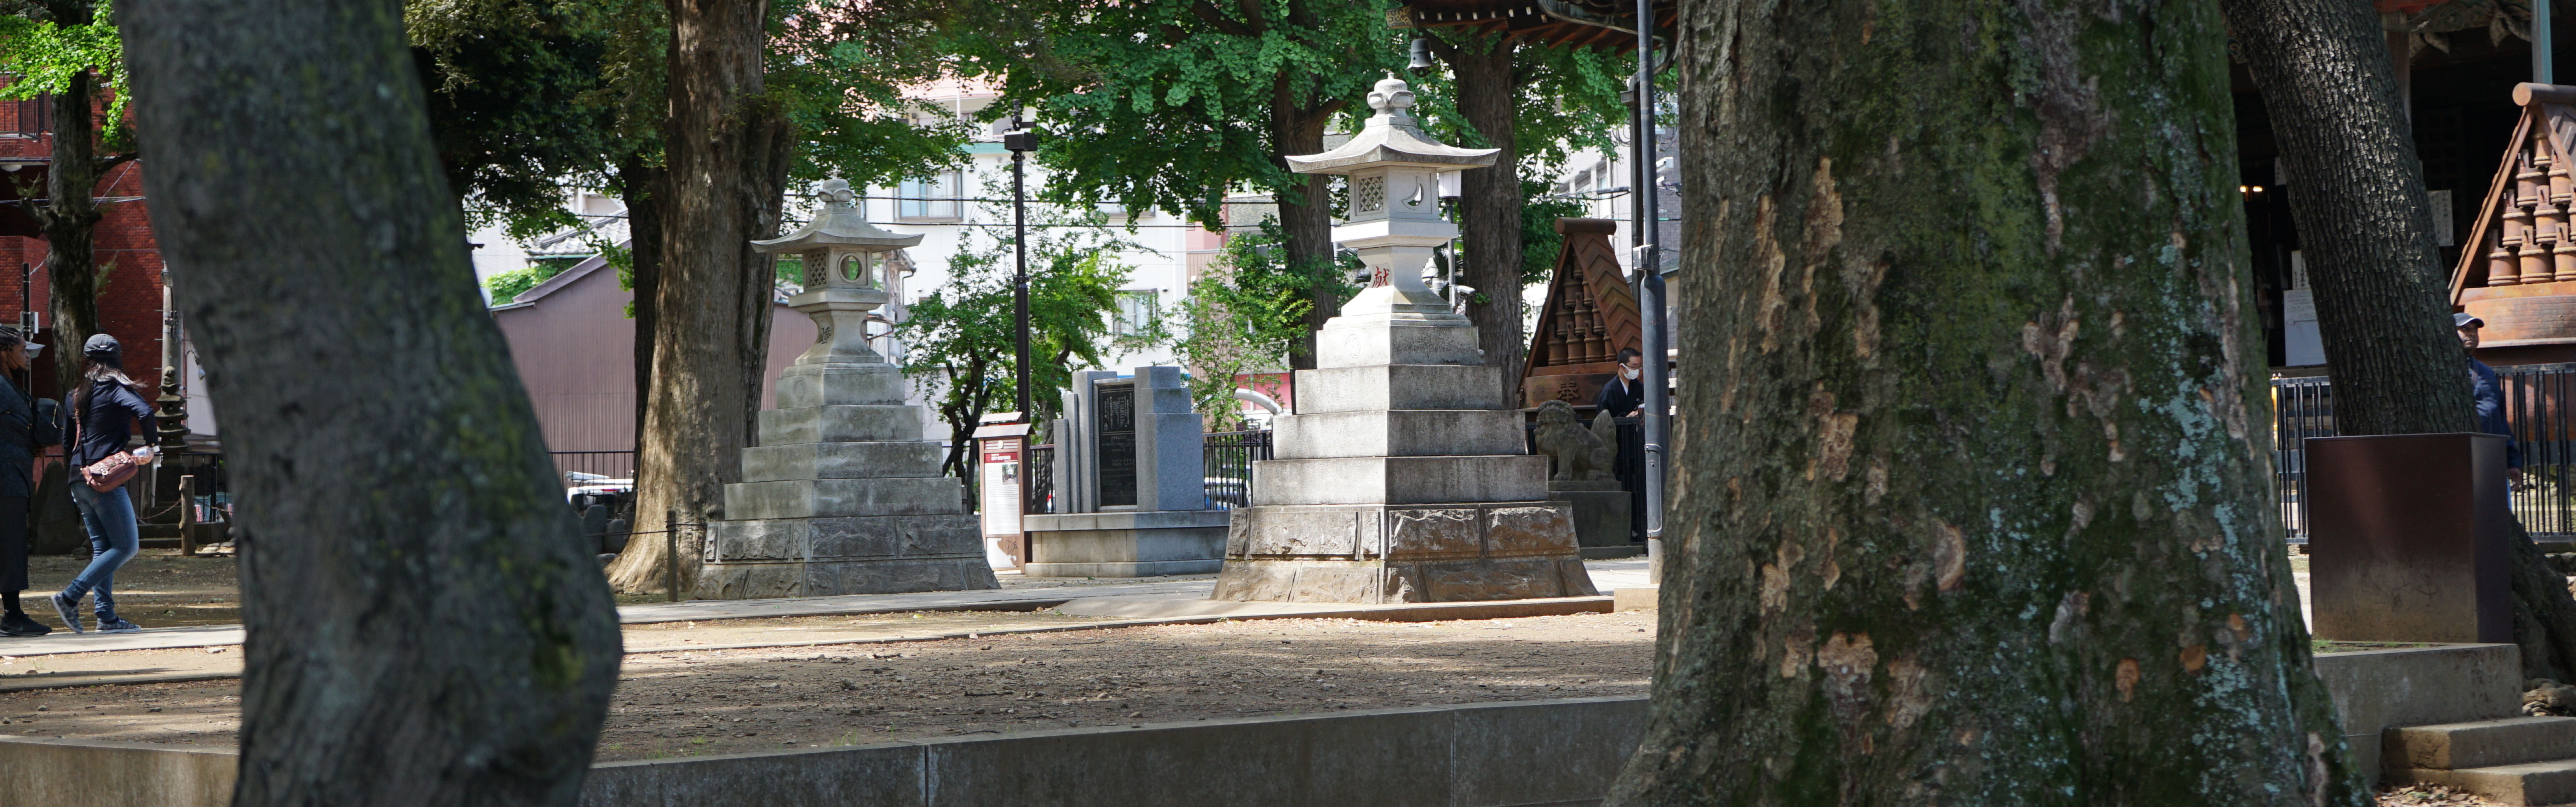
(845, 275)
(1394, 218)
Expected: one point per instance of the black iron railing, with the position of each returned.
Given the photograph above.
(2540, 404)
(1230, 456)
(1037, 480)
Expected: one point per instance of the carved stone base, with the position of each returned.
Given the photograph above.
(1375, 553)
(821, 557)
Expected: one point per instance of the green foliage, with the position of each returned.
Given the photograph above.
(507, 286)
(1168, 105)
(1242, 316)
(40, 56)
(1539, 238)
(960, 340)
(516, 104)
(839, 71)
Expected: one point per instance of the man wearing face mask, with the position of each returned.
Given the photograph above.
(1622, 397)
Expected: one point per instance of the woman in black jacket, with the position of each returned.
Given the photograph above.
(105, 411)
(26, 427)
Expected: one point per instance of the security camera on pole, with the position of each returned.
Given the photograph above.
(1401, 477)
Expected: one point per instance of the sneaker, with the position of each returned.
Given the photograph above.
(118, 626)
(69, 610)
(20, 625)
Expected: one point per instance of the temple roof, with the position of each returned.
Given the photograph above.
(1606, 24)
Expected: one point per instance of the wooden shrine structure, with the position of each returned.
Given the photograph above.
(1589, 315)
(1607, 25)
(2517, 268)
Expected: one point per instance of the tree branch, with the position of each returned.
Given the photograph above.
(1211, 16)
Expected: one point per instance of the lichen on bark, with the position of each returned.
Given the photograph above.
(1971, 501)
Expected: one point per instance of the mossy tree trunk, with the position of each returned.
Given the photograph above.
(1306, 217)
(2356, 190)
(425, 624)
(1972, 504)
(728, 150)
(70, 215)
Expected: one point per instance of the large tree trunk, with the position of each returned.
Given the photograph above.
(727, 150)
(1306, 218)
(1973, 501)
(1489, 207)
(2357, 193)
(69, 217)
(425, 624)
(643, 188)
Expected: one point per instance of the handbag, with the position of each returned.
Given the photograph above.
(109, 472)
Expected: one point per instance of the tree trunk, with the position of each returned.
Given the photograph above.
(1973, 498)
(727, 149)
(1307, 222)
(1489, 208)
(2357, 193)
(69, 217)
(426, 624)
(643, 188)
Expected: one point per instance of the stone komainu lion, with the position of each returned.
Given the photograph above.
(1577, 454)
(2546, 698)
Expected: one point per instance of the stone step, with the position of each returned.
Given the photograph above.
(823, 498)
(1363, 341)
(2528, 783)
(2479, 744)
(1399, 386)
(1400, 480)
(840, 424)
(841, 461)
(1398, 433)
(807, 385)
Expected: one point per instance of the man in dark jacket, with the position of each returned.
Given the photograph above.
(2489, 395)
(1623, 397)
(26, 427)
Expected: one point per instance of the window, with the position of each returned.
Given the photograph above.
(1137, 310)
(934, 198)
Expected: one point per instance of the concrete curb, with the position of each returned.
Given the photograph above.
(1560, 753)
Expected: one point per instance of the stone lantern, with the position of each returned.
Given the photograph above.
(843, 495)
(845, 275)
(1401, 477)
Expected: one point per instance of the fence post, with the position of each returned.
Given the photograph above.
(671, 553)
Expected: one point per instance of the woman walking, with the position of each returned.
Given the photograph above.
(106, 408)
(26, 427)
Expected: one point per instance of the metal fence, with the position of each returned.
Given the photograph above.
(1037, 480)
(591, 469)
(2537, 399)
(1230, 456)
(27, 119)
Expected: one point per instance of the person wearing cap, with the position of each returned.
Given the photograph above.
(106, 407)
(2488, 394)
(27, 426)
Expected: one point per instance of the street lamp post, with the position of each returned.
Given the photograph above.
(1020, 140)
(1650, 289)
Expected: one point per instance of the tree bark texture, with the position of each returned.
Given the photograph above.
(1297, 128)
(426, 624)
(70, 215)
(1973, 498)
(1489, 207)
(727, 149)
(643, 188)
(2357, 192)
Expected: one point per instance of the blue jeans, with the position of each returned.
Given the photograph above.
(109, 518)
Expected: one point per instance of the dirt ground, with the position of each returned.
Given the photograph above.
(692, 702)
(157, 589)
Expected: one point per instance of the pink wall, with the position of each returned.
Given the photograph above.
(575, 349)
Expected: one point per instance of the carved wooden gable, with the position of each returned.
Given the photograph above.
(1589, 315)
(2520, 236)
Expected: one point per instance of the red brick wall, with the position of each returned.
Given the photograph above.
(130, 304)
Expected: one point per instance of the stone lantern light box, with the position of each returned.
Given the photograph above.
(842, 495)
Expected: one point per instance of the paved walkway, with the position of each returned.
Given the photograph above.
(1157, 600)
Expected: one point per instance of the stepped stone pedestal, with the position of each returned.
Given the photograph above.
(843, 495)
(1402, 477)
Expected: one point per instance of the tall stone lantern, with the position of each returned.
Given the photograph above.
(843, 495)
(1401, 477)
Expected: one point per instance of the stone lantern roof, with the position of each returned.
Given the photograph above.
(839, 225)
(1392, 137)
